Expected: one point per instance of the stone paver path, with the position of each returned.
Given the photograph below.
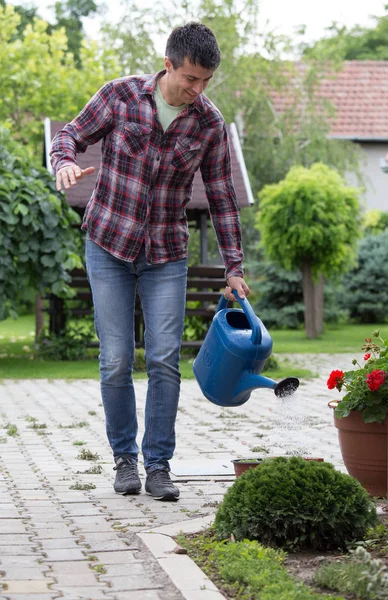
(64, 533)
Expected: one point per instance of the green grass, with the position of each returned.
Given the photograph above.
(17, 347)
(334, 340)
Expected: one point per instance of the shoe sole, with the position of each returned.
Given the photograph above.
(130, 492)
(165, 497)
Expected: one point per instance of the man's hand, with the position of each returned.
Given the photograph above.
(238, 284)
(69, 175)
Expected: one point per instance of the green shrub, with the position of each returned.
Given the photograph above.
(361, 575)
(296, 504)
(38, 245)
(72, 344)
(365, 293)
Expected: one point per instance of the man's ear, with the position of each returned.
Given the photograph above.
(167, 64)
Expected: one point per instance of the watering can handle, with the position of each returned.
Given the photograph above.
(253, 320)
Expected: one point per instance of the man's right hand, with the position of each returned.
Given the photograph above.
(69, 175)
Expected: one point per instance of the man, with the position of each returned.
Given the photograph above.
(157, 130)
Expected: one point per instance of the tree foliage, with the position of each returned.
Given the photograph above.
(365, 287)
(355, 43)
(39, 77)
(38, 246)
(311, 216)
(68, 15)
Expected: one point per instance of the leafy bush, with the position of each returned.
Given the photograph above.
(38, 247)
(365, 293)
(247, 569)
(361, 575)
(72, 344)
(297, 504)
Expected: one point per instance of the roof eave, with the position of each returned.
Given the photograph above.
(357, 138)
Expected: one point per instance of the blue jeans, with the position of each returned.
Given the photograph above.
(162, 291)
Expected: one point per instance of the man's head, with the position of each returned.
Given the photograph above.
(192, 55)
(197, 43)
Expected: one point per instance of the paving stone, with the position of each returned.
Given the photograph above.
(132, 582)
(27, 573)
(9, 550)
(15, 540)
(114, 558)
(14, 526)
(28, 586)
(60, 544)
(65, 554)
(81, 593)
(74, 579)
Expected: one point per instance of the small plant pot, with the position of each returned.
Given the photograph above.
(243, 464)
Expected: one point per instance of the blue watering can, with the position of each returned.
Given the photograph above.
(233, 354)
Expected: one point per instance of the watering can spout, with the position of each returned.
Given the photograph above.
(252, 381)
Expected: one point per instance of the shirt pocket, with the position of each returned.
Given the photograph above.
(185, 153)
(133, 139)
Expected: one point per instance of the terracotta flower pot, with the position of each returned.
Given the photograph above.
(364, 450)
(243, 464)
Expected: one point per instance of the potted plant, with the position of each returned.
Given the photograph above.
(361, 415)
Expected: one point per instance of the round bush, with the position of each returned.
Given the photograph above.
(296, 504)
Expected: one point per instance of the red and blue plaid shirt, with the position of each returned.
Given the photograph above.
(146, 175)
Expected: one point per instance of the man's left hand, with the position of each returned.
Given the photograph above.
(238, 284)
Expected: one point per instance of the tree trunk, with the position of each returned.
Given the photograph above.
(39, 315)
(319, 304)
(313, 302)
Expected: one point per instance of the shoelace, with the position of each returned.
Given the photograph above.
(161, 476)
(128, 464)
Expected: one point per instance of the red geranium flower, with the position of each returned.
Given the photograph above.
(367, 356)
(375, 379)
(335, 379)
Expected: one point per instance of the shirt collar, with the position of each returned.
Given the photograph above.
(150, 85)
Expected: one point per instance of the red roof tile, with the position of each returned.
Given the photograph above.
(359, 93)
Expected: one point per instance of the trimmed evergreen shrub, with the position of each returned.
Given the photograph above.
(296, 504)
(365, 292)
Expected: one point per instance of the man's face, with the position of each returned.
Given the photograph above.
(184, 84)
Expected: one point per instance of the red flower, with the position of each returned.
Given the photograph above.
(375, 379)
(367, 356)
(335, 379)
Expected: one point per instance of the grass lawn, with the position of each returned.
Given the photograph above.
(17, 348)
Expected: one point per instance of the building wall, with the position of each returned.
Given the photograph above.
(376, 195)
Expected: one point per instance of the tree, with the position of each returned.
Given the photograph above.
(39, 78)
(311, 221)
(68, 15)
(355, 43)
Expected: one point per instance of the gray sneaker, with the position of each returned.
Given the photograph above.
(127, 476)
(159, 485)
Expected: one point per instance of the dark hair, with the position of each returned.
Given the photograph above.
(196, 42)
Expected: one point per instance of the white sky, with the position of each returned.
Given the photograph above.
(282, 15)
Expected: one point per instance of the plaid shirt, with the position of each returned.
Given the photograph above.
(146, 175)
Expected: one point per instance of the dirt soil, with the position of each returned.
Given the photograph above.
(303, 564)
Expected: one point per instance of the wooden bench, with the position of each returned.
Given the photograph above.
(205, 284)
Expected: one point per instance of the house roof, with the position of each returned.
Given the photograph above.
(78, 196)
(359, 93)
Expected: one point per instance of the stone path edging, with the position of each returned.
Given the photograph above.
(185, 574)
